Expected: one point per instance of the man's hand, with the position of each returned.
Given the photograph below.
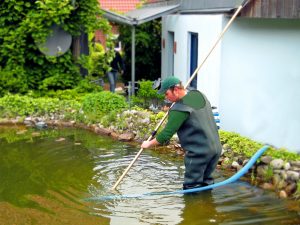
(146, 144)
(149, 144)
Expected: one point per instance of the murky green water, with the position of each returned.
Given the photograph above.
(47, 175)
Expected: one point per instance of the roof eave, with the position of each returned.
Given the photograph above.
(115, 17)
(208, 11)
(155, 15)
(139, 16)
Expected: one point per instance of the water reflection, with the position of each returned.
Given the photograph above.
(44, 175)
(238, 203)
(45, 178)
(149, 174)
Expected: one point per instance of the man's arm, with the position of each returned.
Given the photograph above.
(175, 120)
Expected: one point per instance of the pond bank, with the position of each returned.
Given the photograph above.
(270, 174)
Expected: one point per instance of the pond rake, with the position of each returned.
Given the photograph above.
(187, 84)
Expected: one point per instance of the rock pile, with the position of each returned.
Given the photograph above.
(272, 174)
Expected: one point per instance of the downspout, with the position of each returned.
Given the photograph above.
(133, 60)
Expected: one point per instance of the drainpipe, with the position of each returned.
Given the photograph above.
(133, 60)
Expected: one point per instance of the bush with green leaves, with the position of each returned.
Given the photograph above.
(97, 105)
(248, 147)
(98, 61)
(84, 87)
(104, 101)
(24, 24)
(146, 95)
(148, 50)
(12, 106)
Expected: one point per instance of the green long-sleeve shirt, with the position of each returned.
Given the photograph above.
(177, 118)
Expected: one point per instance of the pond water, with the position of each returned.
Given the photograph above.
(47, 175)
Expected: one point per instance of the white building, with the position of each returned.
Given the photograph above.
(252, 76)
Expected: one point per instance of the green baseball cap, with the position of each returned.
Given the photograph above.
(168, 83)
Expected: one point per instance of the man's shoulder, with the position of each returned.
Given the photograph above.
(194, 99)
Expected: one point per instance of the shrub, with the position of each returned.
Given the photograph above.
(146, 95)
(103, 102)
(86, 86)
(98, 61)
(248, 147)
(148, 50)
(16, 105)
(12, 81)
(24, 25)
(102, 107)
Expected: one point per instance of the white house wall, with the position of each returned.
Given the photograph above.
(260, 81)
(253, 76)
(208, 27)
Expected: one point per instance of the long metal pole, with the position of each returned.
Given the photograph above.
(133, 60)
(187, 84)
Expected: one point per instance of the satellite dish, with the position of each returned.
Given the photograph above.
(57, 43)
(156, 84)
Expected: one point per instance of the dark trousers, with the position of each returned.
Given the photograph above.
(199, 168)
(112, 79)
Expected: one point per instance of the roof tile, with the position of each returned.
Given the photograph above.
(119, 5)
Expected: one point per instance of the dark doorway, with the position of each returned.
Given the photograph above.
(170, 49)
(193, 58)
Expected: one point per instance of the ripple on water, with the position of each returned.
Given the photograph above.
(58, 176)
(238, 203)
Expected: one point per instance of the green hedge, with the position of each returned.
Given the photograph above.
(12, 106)
(103, 102)
(246, 146)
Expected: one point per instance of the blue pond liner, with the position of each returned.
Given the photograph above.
(232, 179)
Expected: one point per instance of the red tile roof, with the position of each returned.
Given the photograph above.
(119, 5)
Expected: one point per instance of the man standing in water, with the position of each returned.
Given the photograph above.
(192, 118)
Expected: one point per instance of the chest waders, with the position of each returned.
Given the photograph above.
(199, 138)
